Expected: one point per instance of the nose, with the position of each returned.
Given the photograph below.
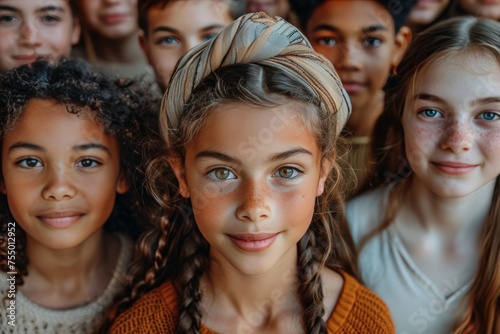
(30, 35)
(254, 206)
(457, 136)
(190, 42)
(59, 185)
(349, 57)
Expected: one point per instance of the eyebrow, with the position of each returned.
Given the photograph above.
(486, 100)
(272, 158)
(428, 97)
(42, 9)
(175, 31)
(434, 98)
(288, 154)
(371, 28)
(218, 156)
(38, 148)
(50, 9)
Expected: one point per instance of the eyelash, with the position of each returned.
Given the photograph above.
(296, 173)
(23, 163)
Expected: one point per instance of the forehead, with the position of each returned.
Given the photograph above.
(351, 16)
(461, 77)
(189, 14)
(28, 6)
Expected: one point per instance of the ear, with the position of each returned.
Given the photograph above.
(402, 41)
(326, 167)
(180, 173)
(122, 185)
(143, 43)
(75, 35)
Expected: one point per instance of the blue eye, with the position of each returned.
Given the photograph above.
(489, 116)
(168, 40)
(430, 113)
(209, 36)
(221, 174)
(372, 42)
(87, 163)
(326, 41)
(7, 18)
(50, 19)
(29, 163)
(287, 173)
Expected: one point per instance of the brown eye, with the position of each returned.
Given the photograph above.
(286, 172)
(29, 163)
(222, 174)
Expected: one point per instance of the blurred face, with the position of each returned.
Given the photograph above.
(110, 19)
(32, 29)
(270, 7)
(252, 175)
(482, 8)
(178, 27)
(452, 125)
(426, 11)
(61, 174)
(358, 38)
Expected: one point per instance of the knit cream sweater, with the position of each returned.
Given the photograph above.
(33, 318)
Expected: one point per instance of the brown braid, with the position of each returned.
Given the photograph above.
(193, 260)
(310, 287)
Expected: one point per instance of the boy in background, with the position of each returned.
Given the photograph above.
(34, 29)
(171, 27)
(365, 41)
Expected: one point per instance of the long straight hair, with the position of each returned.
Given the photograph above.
(389, 164)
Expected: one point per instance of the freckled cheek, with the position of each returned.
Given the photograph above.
(296, 207)
(419, 142)
(489, 143)
(211, 201)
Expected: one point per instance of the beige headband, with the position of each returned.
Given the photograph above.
(260, 39)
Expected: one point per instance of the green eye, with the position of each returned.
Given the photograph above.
(221, 174)
(286, 173)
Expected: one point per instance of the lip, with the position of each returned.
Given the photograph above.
(114, 18)
(452, 167)
(253, 242)
(60, 219)
(26, 59)
(352, 87)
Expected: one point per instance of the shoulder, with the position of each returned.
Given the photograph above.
(359, 310)
(364, 212)
(155, 312)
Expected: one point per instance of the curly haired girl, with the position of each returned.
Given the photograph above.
(73, 146)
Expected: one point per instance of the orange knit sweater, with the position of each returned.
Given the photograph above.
(358, 311)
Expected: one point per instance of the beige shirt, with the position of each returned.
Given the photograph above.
(415, 302)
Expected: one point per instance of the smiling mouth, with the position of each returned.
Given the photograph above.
(455, 168)
(60, 219)
(253, 242)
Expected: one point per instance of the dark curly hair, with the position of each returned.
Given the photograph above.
(125, 110)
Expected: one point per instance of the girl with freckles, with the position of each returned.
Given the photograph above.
(429, 232)
(252, 240)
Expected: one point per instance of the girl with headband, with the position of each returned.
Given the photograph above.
(253, 237)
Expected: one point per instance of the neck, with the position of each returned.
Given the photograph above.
(69, 277)
(231, 293)
(363, 118)
(455, 218)
(125, 51)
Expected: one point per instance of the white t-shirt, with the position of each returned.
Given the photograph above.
(415, 302)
